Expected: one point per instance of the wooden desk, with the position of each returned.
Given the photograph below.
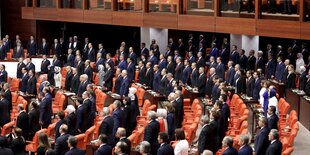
(253, 117)
(304, 116)
(280, 87)
(191, 94)
(110, 99)
(154, 99)
(69, 101)
(294, 100)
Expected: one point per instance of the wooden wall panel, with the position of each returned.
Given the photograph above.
(27, 13)
(196, 23)
(305, 31)
(128, 18)
(235, 25)
(160, 20)
(98, 17)
(277, 28)
(45, 14)
(70, 15)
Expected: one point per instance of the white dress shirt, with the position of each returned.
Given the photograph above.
(181, 148)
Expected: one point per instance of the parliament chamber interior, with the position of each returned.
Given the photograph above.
(154, 77)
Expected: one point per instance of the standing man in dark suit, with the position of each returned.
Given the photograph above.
(60, 117)
(243, 60)
(70, 58)
(270, 67)
(200, 60)
(220, 68)
(44, 64)
(157, 78)
(275, 148)
(257, 85)
(3, 74)
(99, 61)
(56, 48)
(4, 110)
(234, 56)
(46, 108)
(302, 78)
(121, 135)
(30, 65)
(79, 65)
(251, 61)
(23, 121)
(32, 47)
(34, 116)
(201, 85)
(107, 126)
(68, 80)
(7, 94)
(2, 51)
(44, 48)
(228, 145)
(245, 149)
(152, 59)
(142, 72)
(261, 141)
(24, 80)
(206, 138)
(162, 62)
(178, 69)
(144, 51)
(191, 57)
(132, 55)
(125, 84)
(118, 81)
(75, 81)
(31, 84)
(149, 75)
(163, 81)
(279, 69)
(230, 73)
(273, 118)
(210, 83)
(250, 82)
(91, 53)
(178, 105)
(151, 131)
(186, 73)
(170, 65)
(122, 62)
(104, 148)
(260, 62)
(73, 150)
(20, 66)
(108, 77)
(290, 78)
(194, 75)
(225, 54)
(71, 120)
(88, 71)
(61, 145)
(240, 83)
(18, 50)
(82, 115)
(165, 148)
(83, 84)
(118, 116)
(131, 69)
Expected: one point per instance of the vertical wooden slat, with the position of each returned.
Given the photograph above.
(258, 13)
(216, 6)
(301, 10)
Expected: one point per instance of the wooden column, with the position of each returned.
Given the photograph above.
(216, 6)
(258, 13)
(145, 6)
(180, 7)
(85, 4)
(34, 3)
(58, 4)
(301, 10)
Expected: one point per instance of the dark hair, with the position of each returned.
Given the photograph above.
(164, 136)
(219, 103)
(224, 97)
(103, 138)
(72, 141)
(122, 146)
(61, 115)
(179, 134)
(273, 109)
(18, 132)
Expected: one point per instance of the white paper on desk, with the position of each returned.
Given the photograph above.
(69, 94)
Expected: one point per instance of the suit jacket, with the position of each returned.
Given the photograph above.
(56, 49)
(61, 145)
(191, 59)
(70, 60)
(8, 97)
(162, 64)
(89, 72)
(153, 60)
(234, 56)
(46, 110)
(213, 65)
(2, 52)
(3, 76)
(80, 67)
(75, 151)
(145, 52)
(251, 63)
(163, 84)
(128, 150)
(279, 71)
(201, 83)
(150, 133)
(91, 55)
(18, 53)
(34, 126)
(156, 81)
(32, 85)
(82, 117)
(206, 138)
(186, 75)
(131, 70)
(273, 122)
(75, 83)
(104, 150)
(122, 65)
(71, 121)
(275, 148)
(285, 74)
(19, 73)
(230, 76)
(6, 151)
(243, 61)
(302, 81)
(257, 87)
(106, 128)
(169, 88)
(214, 53)
(82, 88)
(68, 81)
(170, 68)
(292, 58)
(201, 62)
(141, 75)
(165, 149)
(44, 49)
(18, 146)
(57, 126)
(23, 123)
(290, 82)
(118, 84)
(260, 64)
(99, 61)
(125, 86)
(270, 68)
(108, 79)
(220, 70)
(149, 76)
(261, 141)
(250, 86)
(32, 48)
(44, 66)
(179, 111)
(245, 150)
(133, 56)
(209, 85)
(230, 151)
(23, 83)
(225, 55)
(241, 85)
(118, 118)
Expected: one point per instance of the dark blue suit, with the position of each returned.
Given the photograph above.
(257, 87)
(133, 57)
(118, 118)
(118, 84)
(186, 75)
(82, 117)
(162, 64)
(122, 65)
(82, 88)
(214, 53)
(32, 48)
(91, 55)
(153, 60)
(270, 68)
(194, 78)
(46, 110)
(125, 86)
(89, 72)
(2, 52)
(261, 141)
(235, 57)
(165, 149)
(279, 71)
(70, 60)
(156, 81)
(220, 70)
(230, 151)
(75, 151)
(246, 150)
(273, 122)
(19, 53)
(4, 113)
(23, 83)
(225, 55)
(131, 70)
(61, 145)
(191, 59)
(30, 66)
(99, 61)
(230, 76)
(150, 134)
(104, 150)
